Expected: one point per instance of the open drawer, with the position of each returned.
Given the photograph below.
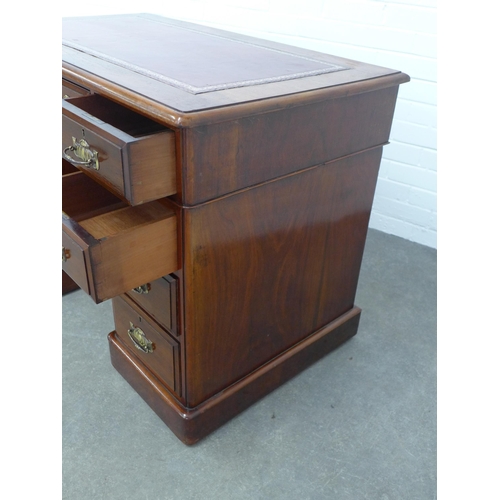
(129, 154)
(108, 247)
(70, 89)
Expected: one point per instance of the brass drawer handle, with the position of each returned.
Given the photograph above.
(81, 149)
(142, 289)
(139, 339)
(65, 254)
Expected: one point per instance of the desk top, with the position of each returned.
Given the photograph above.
(185, 68)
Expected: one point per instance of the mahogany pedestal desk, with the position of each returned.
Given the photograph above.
(218, 189)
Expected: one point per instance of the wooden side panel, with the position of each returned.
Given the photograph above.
(152, 168)
(225, 157)
(268, 266)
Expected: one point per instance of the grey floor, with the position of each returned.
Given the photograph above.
(359, 424)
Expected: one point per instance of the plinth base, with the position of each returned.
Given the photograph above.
(192, 424)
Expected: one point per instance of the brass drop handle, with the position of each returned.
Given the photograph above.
(65, 254)
(81, 149)
(139, 339)
(142, 289)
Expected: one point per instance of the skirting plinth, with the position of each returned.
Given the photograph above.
(192, 424)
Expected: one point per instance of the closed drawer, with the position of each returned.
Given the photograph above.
(129, 154)
(150, 343)
(110, 247)
(159, 299)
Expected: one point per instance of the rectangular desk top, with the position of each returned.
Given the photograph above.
(181, 68)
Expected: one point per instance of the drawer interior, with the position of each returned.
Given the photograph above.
(100, 212)
(118, 116)
(82, 198)
(124, 219)
(67, 168)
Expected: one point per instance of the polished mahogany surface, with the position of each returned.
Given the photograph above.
(270, 154)
(224, 157)
(267, 267)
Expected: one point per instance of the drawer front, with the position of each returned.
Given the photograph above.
(159, 299)
(158, 350)
(108, 249)
(129, 154)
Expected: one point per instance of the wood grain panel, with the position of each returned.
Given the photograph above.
(268, 266)
(224, 157)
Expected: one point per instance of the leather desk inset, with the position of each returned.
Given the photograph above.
(221, 54)
(218, 189)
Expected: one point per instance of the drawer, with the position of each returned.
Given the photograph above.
(70, 89)
(129, 154)
(149, 342)
(159, 299)
(110, 247)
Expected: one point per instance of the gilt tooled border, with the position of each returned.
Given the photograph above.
(209, 88)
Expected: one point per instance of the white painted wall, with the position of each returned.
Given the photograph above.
(399, 34)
